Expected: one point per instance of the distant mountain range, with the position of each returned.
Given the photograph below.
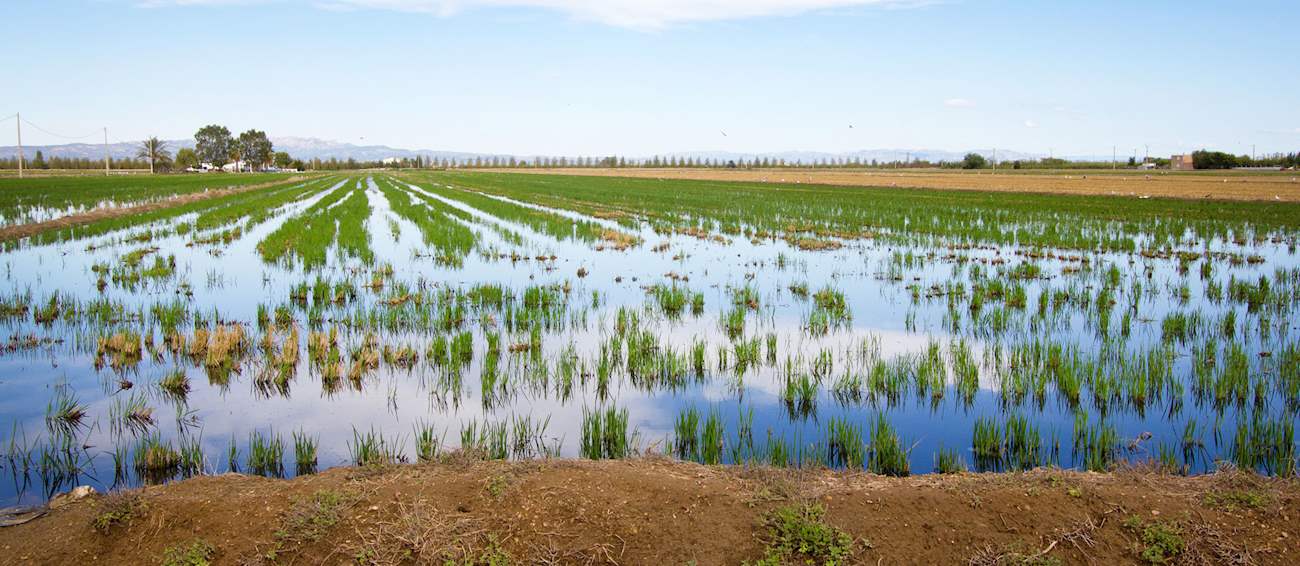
(313, 148)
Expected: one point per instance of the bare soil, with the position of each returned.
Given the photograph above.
(1197, 185)
(655, 511)
(21, 231)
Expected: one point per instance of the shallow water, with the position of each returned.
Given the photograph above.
(887, 325)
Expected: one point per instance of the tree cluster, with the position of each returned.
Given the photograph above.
(1205, 159)
(252, 149)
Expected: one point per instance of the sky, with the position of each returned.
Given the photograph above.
(635, 77)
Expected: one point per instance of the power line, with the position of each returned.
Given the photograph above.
(29, 123)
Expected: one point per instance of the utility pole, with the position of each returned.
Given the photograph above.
(995, 160)
(1146, 156)
(19, 123)
(1252, 153)
(105, 151)
(1113, 156)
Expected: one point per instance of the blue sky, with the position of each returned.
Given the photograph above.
(637, 78)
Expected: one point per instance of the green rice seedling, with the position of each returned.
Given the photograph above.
(686, 435)
(965, 371)
(799, 289)
(1265, 444)
(605, 434)
(192, 460)
(733, 322)
(799, 394)
(64, 414)
(711, 440)
(1228, 324)
(948, 461)
(130, 414)
(746, 296)
(778, 454)
(771, 348)
(848, 388)
(155, 460)
(888, 456)
(987, 444)
(18, 450)
(304, 453)
(176, 384)
(823, 364)
(698, 364)
(1023, 443)
(844, 447)
(232, 456)
(670, 298)
(266, 454)
(528, 438)
(426, 443)
(744, 450)
(1097, 447)
(1180, 327)
(747, 354)
(931, 373)
(372, 449)
(697, 303)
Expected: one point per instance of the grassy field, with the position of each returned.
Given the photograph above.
(799, 211)
(47, 197)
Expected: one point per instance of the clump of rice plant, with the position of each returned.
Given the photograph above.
(686, 440)
(304, 453)
(426, 444)
(266, 454)
(130, 413)
(844, 446)
(64, 414)
(176, 384)
(372, 449)
(605, 434)
(888, 455)
(155, 460)
(948, 461)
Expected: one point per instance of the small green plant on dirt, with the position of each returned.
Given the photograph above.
(799, 534)
(496, 485)
(308, 520)
(1234, 499)
(117, 508)
(491, 554)
(197, 553)
(1158, 542)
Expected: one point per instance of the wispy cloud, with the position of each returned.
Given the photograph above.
(1031, 124)
(959, 103)
(639, 14)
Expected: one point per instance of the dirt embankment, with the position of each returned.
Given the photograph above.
(1228, 186)
(21, 231)
(654, 511)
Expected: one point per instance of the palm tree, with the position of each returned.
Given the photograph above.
(154, 150)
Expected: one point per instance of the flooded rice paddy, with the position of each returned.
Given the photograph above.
(397, 316)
